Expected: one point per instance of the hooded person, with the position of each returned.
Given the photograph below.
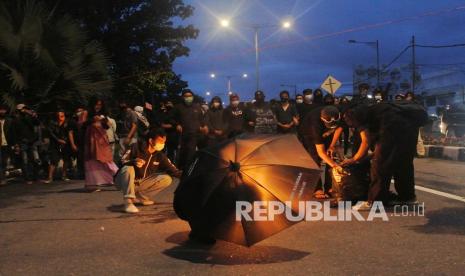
(323, 130)
(260, 117)
(318, 97)
(233, 117)
(190, 123)
(215, 123)
(143, 124)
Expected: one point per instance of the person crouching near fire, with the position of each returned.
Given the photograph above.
(146, 171)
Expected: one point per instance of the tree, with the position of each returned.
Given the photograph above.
(140, 35)
(47, 60)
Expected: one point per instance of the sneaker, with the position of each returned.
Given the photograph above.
(362, 206)
(130, 208)
(47, 181)
(66, 179)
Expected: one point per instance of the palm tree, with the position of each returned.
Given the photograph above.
(47, 60)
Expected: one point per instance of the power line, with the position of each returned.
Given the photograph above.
(441, 46)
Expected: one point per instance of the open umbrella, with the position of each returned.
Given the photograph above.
(248, 168)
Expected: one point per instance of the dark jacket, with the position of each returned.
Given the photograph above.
(156, 162)
(190, 117)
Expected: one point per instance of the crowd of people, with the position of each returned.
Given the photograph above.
(141, 150)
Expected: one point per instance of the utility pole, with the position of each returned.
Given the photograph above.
(413, 64)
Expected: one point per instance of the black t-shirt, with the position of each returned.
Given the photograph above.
(234, 118)
(263, 117)
(285, 116)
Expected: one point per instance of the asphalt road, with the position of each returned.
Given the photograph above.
(58, 229)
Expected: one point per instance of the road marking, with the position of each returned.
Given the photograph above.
(439, 193)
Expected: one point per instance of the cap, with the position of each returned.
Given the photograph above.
(233, 96)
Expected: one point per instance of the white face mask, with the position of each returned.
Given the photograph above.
(378, 97)
(299, 101)
(308, 97)
(159, 147)
(235, 103)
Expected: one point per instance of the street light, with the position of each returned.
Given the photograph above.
(224, 23)
(207, 93)
(284, 25)
(212, 75)
(287, 24)
(375, 43)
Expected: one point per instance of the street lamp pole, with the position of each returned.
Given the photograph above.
(229, 83)
(377, 61)
(257, 69)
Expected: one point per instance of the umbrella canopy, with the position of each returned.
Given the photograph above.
(248, 168)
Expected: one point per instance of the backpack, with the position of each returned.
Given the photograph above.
(414, 112)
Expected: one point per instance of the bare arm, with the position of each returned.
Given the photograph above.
(320, 149)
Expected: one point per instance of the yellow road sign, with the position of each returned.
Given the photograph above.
(331, 84)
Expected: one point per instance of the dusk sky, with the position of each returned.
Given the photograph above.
(316, 45)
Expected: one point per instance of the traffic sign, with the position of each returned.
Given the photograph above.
(331, 84)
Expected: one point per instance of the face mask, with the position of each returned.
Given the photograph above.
(309, 97)
(299, 101)
(159, 147)
(378, 98)
(259, 99)
(188, 100)
(216, 104)
(284, 100)
(235, 103)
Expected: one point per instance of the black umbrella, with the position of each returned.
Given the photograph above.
(248, 168)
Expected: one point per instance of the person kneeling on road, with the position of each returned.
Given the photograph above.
(146, 170)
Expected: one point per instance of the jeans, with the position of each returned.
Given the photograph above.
(141, 189)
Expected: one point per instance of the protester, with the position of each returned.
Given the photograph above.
(60, 146)
(392, 130)
(299, 99)
(127, 127)
(329, 99)
(233, 117)
(190, 123)
(259, 116)
(215, 122)
(319, 139)
(318, 97)
(143, 124)
(286, 114)
(164, 118)
(99, 164)
(5, 142)
(146, 171)
(25, 136)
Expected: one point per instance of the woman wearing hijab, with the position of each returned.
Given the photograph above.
(98, 156)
